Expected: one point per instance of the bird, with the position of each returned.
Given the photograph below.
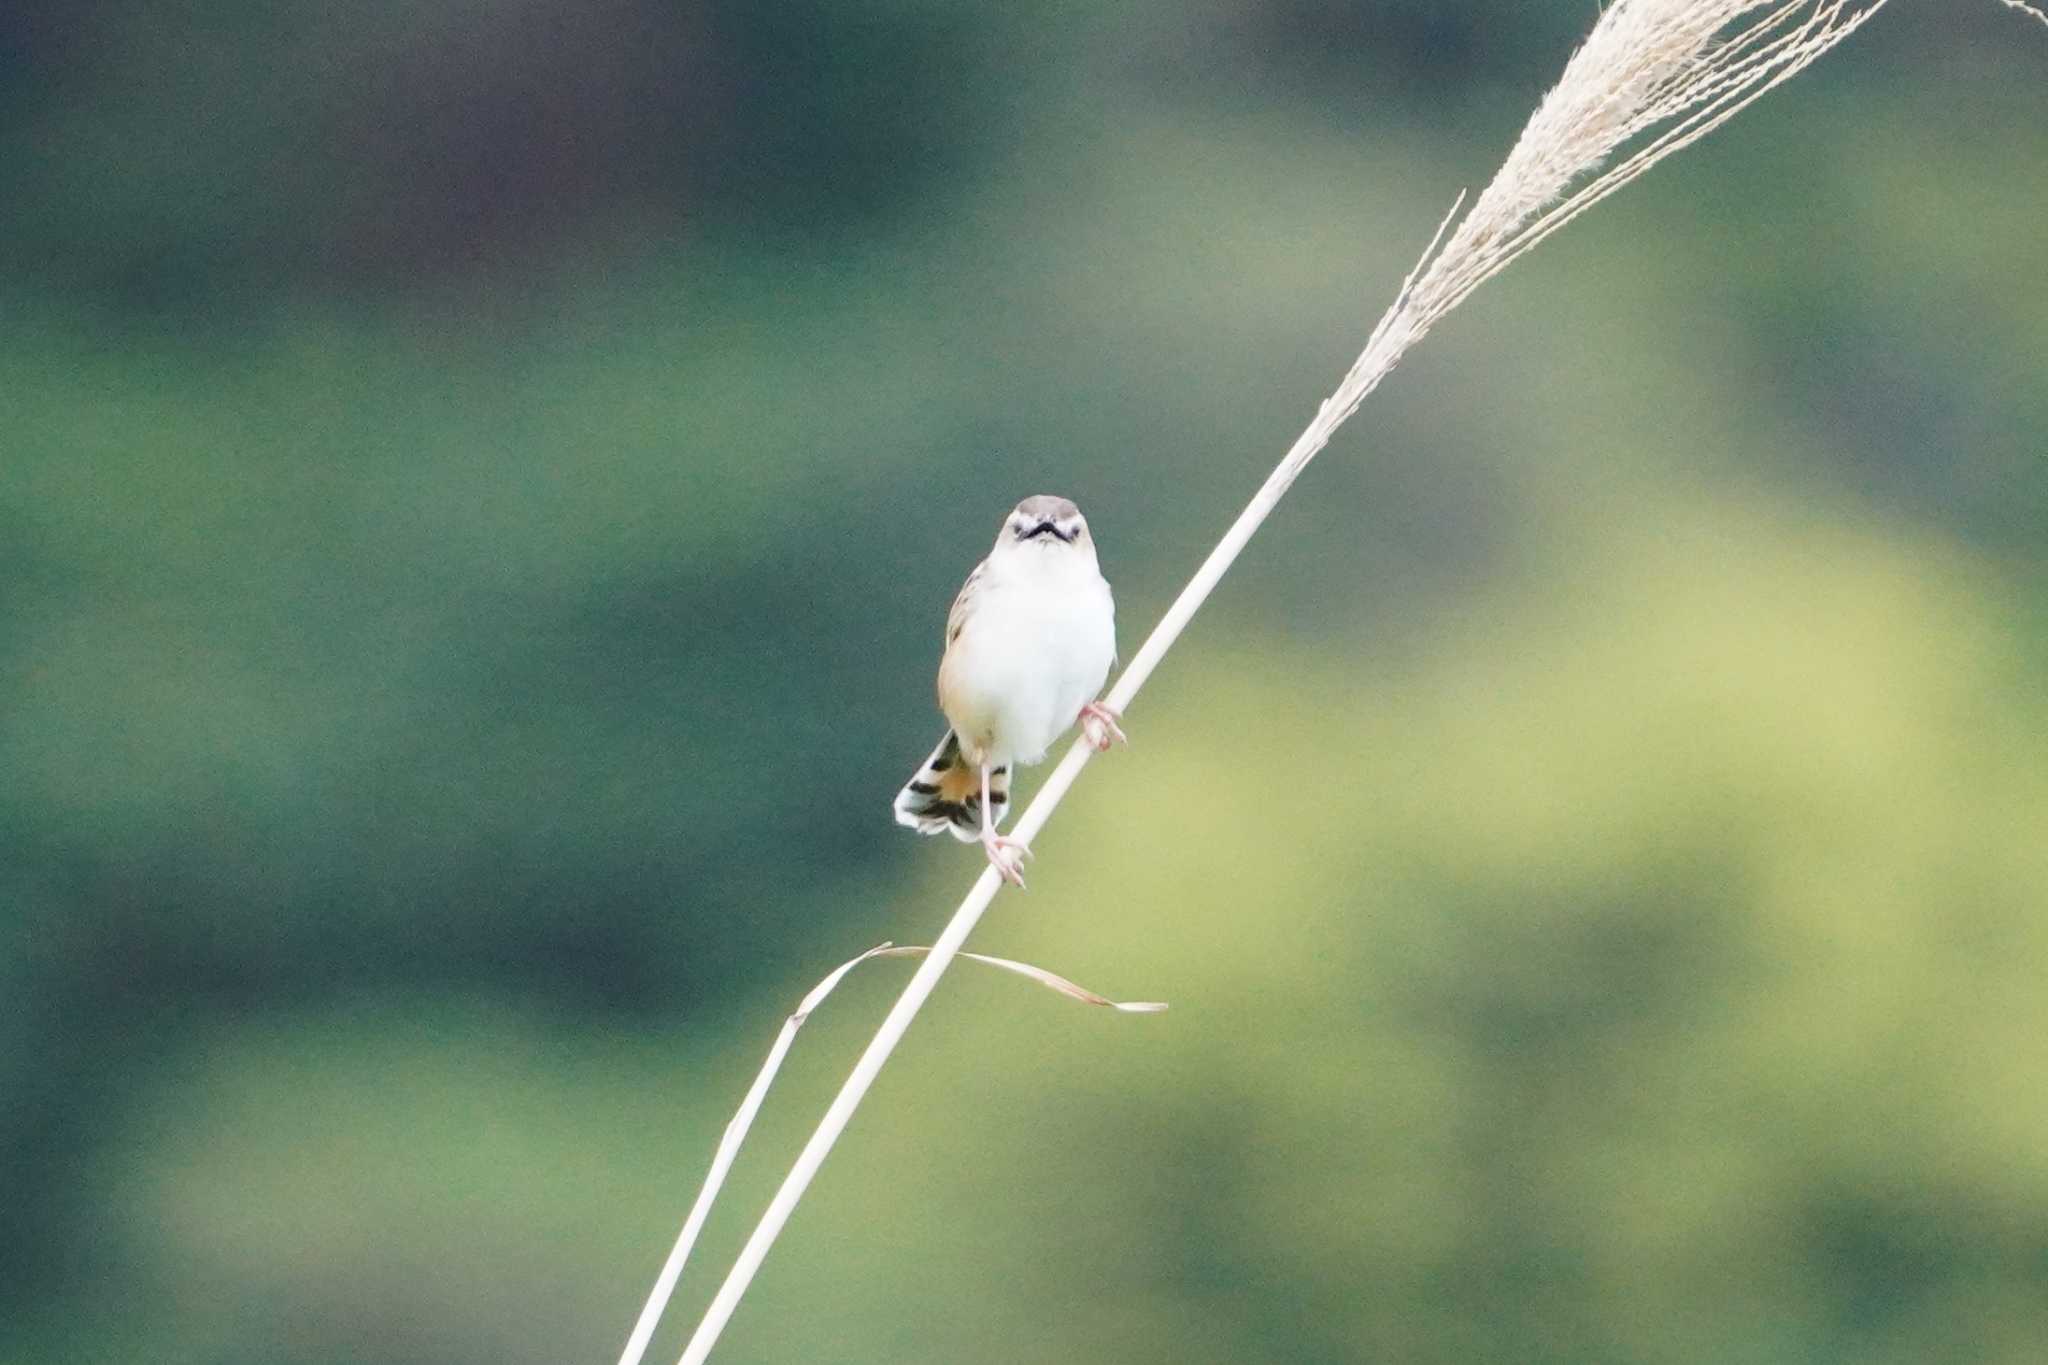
(1030, 640)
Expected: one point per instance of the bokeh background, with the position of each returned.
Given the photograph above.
(480, 486)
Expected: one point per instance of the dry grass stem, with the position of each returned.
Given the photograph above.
(743, 1119)
(1052, 981)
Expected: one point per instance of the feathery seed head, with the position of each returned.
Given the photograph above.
(1653, 77)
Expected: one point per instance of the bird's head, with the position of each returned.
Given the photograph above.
(1044, 522)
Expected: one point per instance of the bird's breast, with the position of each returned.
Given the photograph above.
(1025, 662)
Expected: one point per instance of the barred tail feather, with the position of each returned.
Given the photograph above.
(945, 796)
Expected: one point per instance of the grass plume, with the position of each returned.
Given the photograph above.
(1653, 77)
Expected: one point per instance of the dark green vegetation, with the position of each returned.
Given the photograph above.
(480, 487)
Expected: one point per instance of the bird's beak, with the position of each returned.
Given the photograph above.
(1047, 528)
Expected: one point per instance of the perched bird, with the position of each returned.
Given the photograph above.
(1029, 642)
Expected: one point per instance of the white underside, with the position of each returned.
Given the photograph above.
(1036, 649)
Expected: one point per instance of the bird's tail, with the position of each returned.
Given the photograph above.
(946, 794)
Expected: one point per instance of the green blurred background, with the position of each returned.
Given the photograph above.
(480, 485)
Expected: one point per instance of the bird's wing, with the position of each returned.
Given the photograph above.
(963, 605)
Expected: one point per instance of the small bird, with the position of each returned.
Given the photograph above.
(1029, 642)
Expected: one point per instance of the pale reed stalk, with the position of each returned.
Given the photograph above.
(1652, 77)
(743, 1120)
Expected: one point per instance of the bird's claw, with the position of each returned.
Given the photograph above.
(1099, 724)
(1007, 857)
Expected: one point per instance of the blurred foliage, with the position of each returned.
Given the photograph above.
(481, 485)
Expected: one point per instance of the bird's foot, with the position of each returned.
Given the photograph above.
(1007, 857)
(1099, 724)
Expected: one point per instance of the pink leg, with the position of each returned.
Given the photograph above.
(1006, 855)
(1100, 724)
